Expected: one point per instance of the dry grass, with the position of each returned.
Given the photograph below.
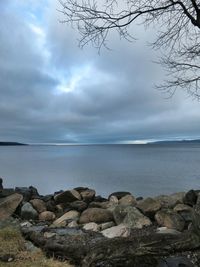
(12, 243)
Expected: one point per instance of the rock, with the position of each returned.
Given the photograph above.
(113, 200)
(91, 226)
(28, 212)
(1, 184)
(170, 201)
(69, 216)
(30, 247)
(97, 215)
(119, 194)
(51, 205)
(72, 224)
(78, 205)
(128, 200)
(9, 222)
(116, 231)
(88, 195)
(107, 225)
(49, 235)
(190, 198)
(25, 191)
(39, 205)
(9, 204)
(6, 192)
(167, 231)
(67, 196)
(139, 198)
(102, 205)
(47, 198)
(175, 262)
(47, 216)
(185, 211)
(99, 199)
(34, 192)
(131, 217)
(149, 206)
(170, 219)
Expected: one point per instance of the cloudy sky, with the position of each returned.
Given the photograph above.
(52, 91)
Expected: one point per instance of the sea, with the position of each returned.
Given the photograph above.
(143, 170)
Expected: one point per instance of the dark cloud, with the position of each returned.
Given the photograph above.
(52, 91)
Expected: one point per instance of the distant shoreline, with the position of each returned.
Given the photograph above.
(12, 144)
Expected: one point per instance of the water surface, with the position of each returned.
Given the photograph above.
(144, 170)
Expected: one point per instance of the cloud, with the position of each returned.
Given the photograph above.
(52, 91)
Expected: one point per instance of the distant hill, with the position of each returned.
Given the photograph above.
(196, 141)
(11, 144)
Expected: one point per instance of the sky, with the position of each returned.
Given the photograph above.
(51, 91)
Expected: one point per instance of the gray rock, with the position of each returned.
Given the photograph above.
(170, 219)
(28, 212)
(97, 215)
(67, 196)
(149, 206)
(117, 231)
(88, 195)
(9, 204)
(107, 225)
(25, 192)
(165, 230)
(92, 227)
(69, 216)
(78, 205)
(1, 184)
(131, 217)
(6, 192)
(185, 211)
(175, 262)
(170, 201)
(128, 200)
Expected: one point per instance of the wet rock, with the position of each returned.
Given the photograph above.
(88, 195)
(119, 194)
(190, 198)
(170, 219)
(28, 212)
(97, 215)
(120, 230)
(9, 204)
(69, 216)
(47, 216)
(131, 217)
(128, 200)
(149, 206)
(78, 205)
(92, 227)
(39, 205)
(67, 196)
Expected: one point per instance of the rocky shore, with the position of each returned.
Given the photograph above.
(121, 230)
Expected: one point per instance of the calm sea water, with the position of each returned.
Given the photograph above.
(144, 170)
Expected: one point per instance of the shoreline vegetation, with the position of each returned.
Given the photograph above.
(78, 227)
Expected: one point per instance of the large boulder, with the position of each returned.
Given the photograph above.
(9, 204)
(117, 231)
(149, 206)
(6, 192)
(170, 219)
(25, 191)
(96, 215)
(170, 201)
(128, 200)
(131, 217)
(69, 216)
(28, 212)
(67, 196)
(39, 205)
